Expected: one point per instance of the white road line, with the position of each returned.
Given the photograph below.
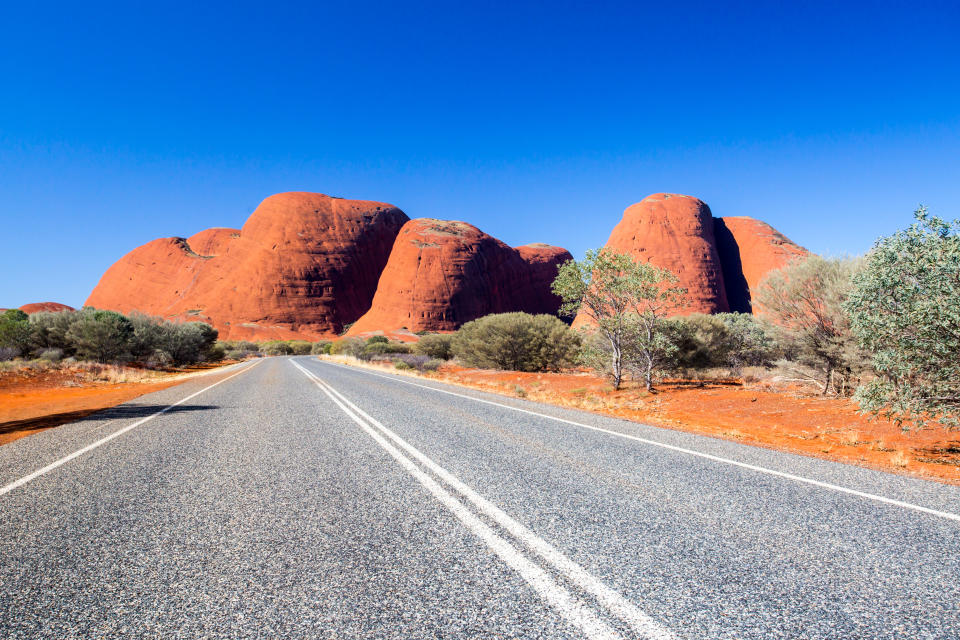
(781, 474)
(90, 447)
(552, 592)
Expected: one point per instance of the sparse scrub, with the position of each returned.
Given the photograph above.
(348, 347)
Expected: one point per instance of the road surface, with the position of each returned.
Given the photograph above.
(294, 498)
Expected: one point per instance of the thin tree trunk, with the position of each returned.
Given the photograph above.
(616, 364)
(826, 385)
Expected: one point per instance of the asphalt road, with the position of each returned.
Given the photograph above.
(292, 498)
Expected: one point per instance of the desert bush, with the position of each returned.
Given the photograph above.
(400, 364)
(52, 355)
(412, 361)
(348, 347)
(49, 331)
(803, 304)
(431, 365)
(99, 335)
(435, 345)
(276, 348)
(322, 347)
(905, 309)
(149, 334)
(378, 339)
(191, 342)
(516, 341)
(15, 331)
(727, 340)
(300, 347)
(8, 353)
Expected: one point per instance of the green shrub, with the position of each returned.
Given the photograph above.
(436, 345)
(16, 333)
(103, 336)
(431, 365)
(378, 339)
(49, 331)
(400, 364)
(322, 347)
(731, 340)
(300, 347)
(190, 342)
(276, 348)
(348, 347)
(52, 355)
(516, 341)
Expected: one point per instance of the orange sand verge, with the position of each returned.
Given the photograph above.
(32, 401)
(787, 419)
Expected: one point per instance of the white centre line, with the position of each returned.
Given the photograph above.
(781, 474)
(90, 447)
(558, 597)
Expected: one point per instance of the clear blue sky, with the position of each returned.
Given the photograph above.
(536, 122)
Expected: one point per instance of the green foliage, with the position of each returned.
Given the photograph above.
(905, 309)
(191, 342)
(49, 331)
(348, 347)
(517, 342)
(626, 301)
(15, 331)
(300, 347)
(731, 340)
(103, 336)
(322, 347)
(276, 348)
(435, 345)
(378, 339)
(804, 306)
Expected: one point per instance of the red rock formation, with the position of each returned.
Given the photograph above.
(749, 249)
(35, 307)
(212, 242)
(442, 274)
(304, 265)
(675, 232)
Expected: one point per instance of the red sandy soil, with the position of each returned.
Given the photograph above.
(785, 418)
(33, 400)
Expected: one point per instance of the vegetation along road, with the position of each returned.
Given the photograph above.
(291, 497)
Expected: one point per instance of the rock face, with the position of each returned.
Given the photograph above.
(718, 260)
(442, 274)
(35, 307)
(749, 249)
(303, 265)
(675, 232)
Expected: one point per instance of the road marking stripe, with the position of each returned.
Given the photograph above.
(76, 454)
(782, 474)
(640, 622)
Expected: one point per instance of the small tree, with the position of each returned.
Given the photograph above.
(905, 308)
(50, 331)
(803, 302)
(626, 300)
(15, 331)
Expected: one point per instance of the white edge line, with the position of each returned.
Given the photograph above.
(782, 474)
(548, 589)
(76, 454)
(639, 621)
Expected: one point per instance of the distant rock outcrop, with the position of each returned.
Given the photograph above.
(444, 273)
(35, 307)
(303, 265)
(307, 265)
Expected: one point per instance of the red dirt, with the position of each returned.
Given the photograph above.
(787, 419)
